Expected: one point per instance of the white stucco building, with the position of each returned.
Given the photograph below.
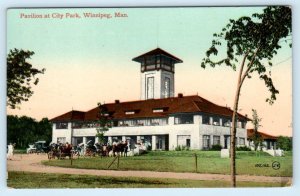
(159, 118)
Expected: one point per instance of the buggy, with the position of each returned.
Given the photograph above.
(38, 147)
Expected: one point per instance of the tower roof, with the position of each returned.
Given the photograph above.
(157, 51)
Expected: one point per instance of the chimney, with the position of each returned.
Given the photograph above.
(180, 95)
(117, 101)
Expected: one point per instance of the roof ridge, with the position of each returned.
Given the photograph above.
(134, 101)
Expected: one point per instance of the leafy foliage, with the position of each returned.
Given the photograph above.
(104, 122)
(256, 137)
(284, 143)
(25, 130)
(256, 39)
(243, 148)
(216, 147)
(20, 77)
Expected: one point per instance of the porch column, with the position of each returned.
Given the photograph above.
(110, 140)
(211, 140)
(138, 139)
(84, 140)
(154, 137)
(123, 138)
(210, 120)
(96, 140)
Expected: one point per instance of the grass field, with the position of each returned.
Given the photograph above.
(248, 163)
(43, 180)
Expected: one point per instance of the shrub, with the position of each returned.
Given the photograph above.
(216, 147)
(181, 148)
(178, 148)
(242, 148)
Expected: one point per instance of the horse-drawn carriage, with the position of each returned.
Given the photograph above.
(60, 151)
(38, 147)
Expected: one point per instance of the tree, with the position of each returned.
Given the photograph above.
(25, 130)
(104, 122)
(256, 137)
(250, 42)
(20, 77)
(284, 143)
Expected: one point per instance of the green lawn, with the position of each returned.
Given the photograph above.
(184, 161)
(43, 180)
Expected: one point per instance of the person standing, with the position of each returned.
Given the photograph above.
(10, 151)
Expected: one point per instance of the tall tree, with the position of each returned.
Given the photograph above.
(256, 137)
(251, 43)
(20, 77)
(104, 122)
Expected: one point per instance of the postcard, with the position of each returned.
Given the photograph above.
(149, 97)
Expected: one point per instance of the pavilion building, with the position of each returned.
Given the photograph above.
(159, 118)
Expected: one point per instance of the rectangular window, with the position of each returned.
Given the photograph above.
(205, 120)
(167, 87)
(206, 141)
(216, 121)
(243, 125)
(227, 123)
(184, 119)
(188, 142)
(129, 112)
(61, 125)
(150, 88)
(158, 110)
(216, 140)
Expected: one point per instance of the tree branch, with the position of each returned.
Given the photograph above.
(249, 67)
(242, 65)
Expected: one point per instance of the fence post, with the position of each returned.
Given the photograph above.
(196, 164)
(71, 158)
(118, 161)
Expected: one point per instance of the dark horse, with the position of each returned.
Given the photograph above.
(120, 148)
(66, 150)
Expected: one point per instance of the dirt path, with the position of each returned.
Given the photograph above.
(32, 163)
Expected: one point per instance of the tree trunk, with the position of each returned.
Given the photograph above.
(232, 138)
(233, 127)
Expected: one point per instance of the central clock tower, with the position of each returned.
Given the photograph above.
(157, 74)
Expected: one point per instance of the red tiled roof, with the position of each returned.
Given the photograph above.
(70, 116)
(144, 109)
(156, 52)
(250, 133)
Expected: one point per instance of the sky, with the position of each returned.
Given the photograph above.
(89, 60)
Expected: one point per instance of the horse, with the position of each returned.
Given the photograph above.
(120, 148)
(66, 150)
(105, 150)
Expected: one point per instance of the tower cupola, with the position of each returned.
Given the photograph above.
(157, 74)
